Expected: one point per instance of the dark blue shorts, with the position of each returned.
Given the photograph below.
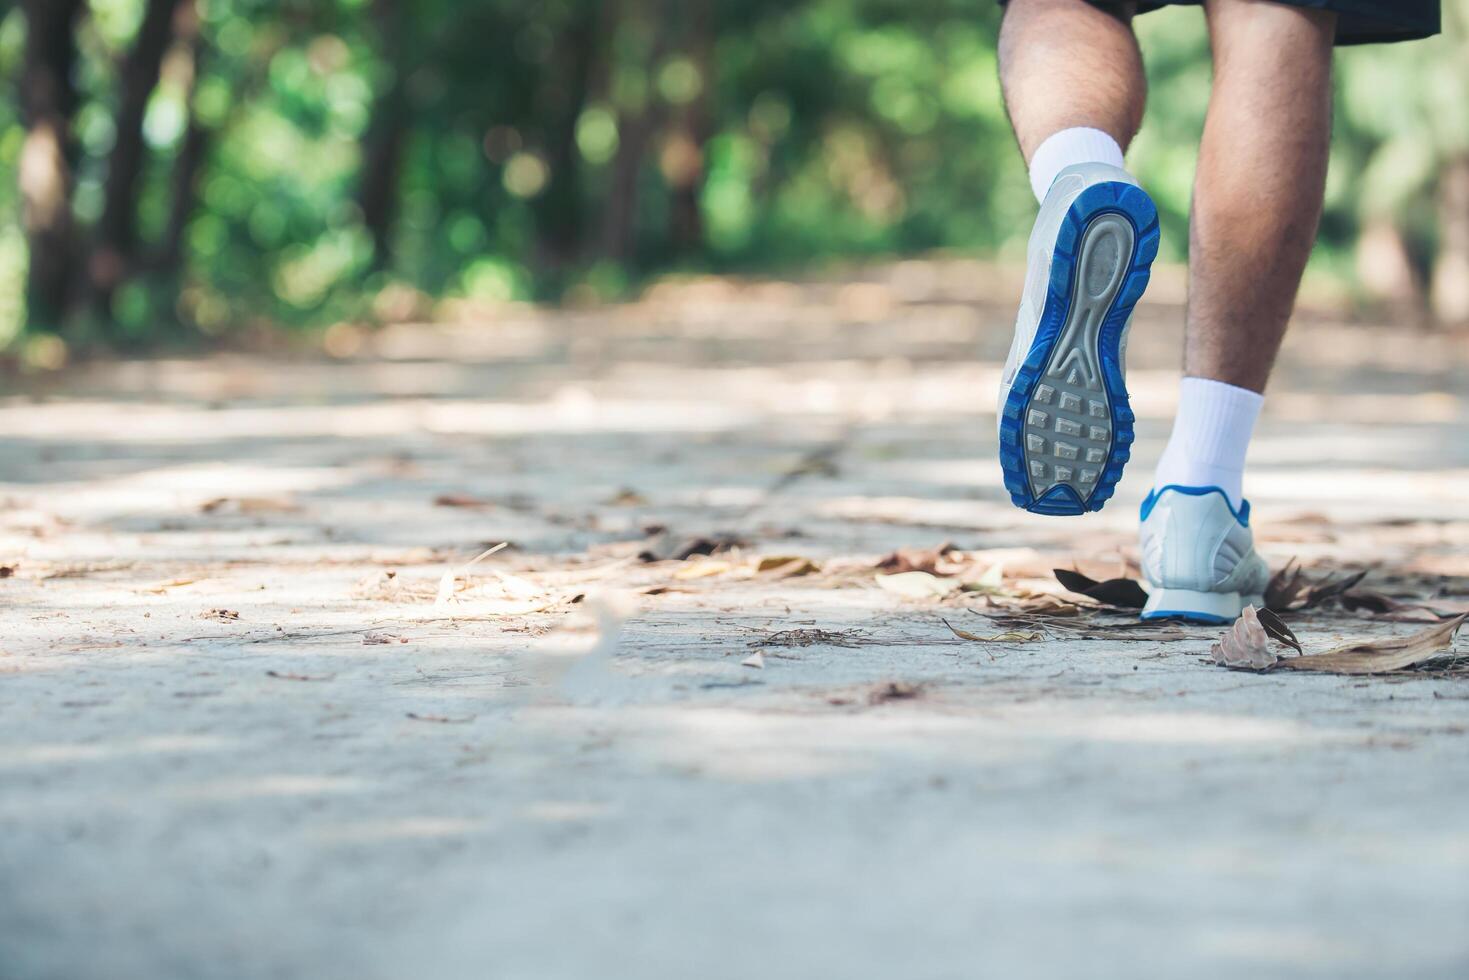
(1358, 21)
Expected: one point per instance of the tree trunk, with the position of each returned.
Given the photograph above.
(185, 194)
(184, 184)
(619, 217)
(1449, 293)
(387, 136)
(45, 174)
(684, 163)
(617, 237)
(116, 247)
(559, 208)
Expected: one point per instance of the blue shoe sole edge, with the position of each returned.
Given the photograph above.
(1208, 619)
(1107, 197)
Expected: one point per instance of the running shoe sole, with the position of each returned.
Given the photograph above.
(1066, 428)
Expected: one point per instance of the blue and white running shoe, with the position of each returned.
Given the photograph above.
(1065, 425)
(1198, 556)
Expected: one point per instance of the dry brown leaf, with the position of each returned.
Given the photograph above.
(1384, 606)
(462, 500)
(702, 569)
(917, 585)
(175, 583)
(786, 566)
(662, 546)
(1381, 656)
(1009, 636)
(932, 560)
(250, 505)
(893, 691)
(288, 676)
(1071, 624)
(1290, 589)
(1245, 645)
(448, 583)
(1037, 604)
(626, 497)
(811, 636)
(1124, 593)
(993, 580)
(1277, 629)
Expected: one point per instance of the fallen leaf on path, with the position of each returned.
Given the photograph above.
(894, 691)
(1291, 590)
(462, 500)
(662, 546)
(756, 660)
(818, 462)
(287, 676)
(786, 566)
(702, 569)
(917, 585)
(1071, 625)
(513, 586)
(449, 582)
(1124, 593)
(626, 497)
(1245, 645)
(1037, 603)
(993, 580)
(6, 571)
(810, 636)
(250, 505)
(1381, 656)
(1009, 636)
(1383, 606)
(83, 569)
(1277, 629)
(920, 560)
(161, 587)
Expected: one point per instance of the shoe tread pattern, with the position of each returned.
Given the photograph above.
(1066, 429)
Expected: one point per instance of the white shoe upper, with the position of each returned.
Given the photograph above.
(1065, 189)
(1198, 554)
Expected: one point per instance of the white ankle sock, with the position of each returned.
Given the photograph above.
(1210, 436)
(1079, 144)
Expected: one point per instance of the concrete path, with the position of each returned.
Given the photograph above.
(240, 736)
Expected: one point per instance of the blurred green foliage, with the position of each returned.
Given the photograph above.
(311, 161)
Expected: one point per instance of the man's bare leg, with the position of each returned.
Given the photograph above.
(1259, 185)
(1257, 200)
(1067, 63)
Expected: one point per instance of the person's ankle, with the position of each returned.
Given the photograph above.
(1068, 148)
(1211, 434)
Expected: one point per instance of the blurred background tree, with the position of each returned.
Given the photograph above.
(176, 168)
